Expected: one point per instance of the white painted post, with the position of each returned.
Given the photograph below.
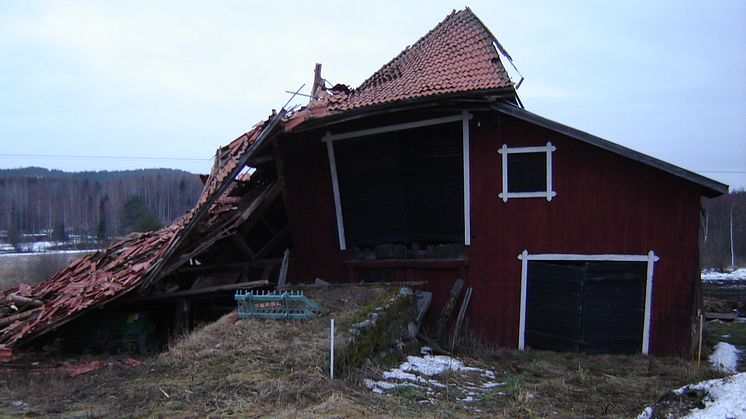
(467, 181)
(331, 351)
(647, 315)
(504, 152)
(335, 190)
(522, 319)
(550, 190)
(732, 254)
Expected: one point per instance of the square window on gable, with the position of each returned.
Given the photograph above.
(527, 172)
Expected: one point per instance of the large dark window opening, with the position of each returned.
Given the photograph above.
(402, 187)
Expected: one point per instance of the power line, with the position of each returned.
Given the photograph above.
(70, 156)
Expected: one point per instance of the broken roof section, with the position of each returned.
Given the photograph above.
(458, 56)
(138, 260)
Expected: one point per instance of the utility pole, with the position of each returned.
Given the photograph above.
(732, 252)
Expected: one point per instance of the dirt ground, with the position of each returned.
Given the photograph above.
(256, 367)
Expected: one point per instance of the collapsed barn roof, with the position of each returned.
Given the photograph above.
(457, 58)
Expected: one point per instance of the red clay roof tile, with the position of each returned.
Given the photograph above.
(457, 56)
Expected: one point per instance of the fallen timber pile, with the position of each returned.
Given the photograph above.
(209, 250)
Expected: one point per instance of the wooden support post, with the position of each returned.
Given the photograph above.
(445, 314)
(181, 317)
(282, 277)
(460, 318)
(254, 213)
(273, 242)
(268, 226)
(243, 247)
(265, 273)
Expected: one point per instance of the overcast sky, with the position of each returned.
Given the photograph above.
(173, 81)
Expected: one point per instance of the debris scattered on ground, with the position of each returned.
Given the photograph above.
(86, 367)
(422, 373)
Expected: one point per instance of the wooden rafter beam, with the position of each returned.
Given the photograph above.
(243, 247)
(228, 267)
(248, 222)
(273, 242)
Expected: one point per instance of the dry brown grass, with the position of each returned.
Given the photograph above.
(279, 368)
(32, 268)
(226, 368)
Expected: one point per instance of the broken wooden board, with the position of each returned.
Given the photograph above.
(445, 314)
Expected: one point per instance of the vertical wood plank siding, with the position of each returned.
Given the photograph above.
(605, 203)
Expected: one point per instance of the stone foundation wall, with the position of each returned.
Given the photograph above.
(384, 331)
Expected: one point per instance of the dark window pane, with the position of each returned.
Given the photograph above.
(527, 172)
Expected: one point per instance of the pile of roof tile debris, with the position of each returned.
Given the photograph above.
(149, 267)
(140, 261)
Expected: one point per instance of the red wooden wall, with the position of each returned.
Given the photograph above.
(605, 203)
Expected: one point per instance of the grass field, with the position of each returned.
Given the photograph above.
(30, 268)
(279, 368)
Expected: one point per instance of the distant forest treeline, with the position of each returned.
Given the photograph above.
(94, 204)
(720, 214)
(105, 204)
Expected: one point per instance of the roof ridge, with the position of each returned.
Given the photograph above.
(410, 47)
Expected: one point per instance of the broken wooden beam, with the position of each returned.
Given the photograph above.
(273, 242)
(228, 267)
(282, 277)
(354, 284)
(445, 314)
(194, 292)
(243, 246)
(461, 314)
(15, 298)
(19, 316)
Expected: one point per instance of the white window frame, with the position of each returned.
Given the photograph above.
(549, 193)
(650, 258)
(330, 138)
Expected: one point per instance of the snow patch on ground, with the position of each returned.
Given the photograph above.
(737, 275)
(46, 252)
(422, 373)
(646, 414)
(726, 398)
(725, 358)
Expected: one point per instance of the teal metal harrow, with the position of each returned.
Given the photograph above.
(276, 305)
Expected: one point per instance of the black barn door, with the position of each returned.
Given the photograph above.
(592, 307)
(613, 306)
(553, 315)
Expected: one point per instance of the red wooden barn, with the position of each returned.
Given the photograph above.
(432, 170)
